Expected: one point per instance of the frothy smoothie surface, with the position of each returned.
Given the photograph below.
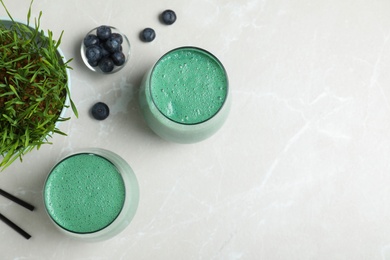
(188, 85)
(84, 193)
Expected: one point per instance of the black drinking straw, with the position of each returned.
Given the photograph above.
(14, 227)
(16, 200)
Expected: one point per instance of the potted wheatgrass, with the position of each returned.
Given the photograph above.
(34, 87)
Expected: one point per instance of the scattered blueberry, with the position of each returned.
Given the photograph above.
(112, 45)
(103, 32)
(168, 17)
(100, 111)
(106, 64)
(93, 53)
(90, 40)
(118, 58)
(148, 35)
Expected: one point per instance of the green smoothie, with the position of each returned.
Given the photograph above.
(84, 193)
(188, 85)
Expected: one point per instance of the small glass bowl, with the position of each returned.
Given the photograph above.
(125, 50)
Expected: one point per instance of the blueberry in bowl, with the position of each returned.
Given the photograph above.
(105, 49)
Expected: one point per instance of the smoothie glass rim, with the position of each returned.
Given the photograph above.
(50, 173)
(198, 49)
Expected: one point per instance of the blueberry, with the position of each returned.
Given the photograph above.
(148, 35)
(93, 53)
(105, 53)
(100, 111)
(90, 40)
(118, 37)
(112, 45)
(118, 58)
(93, 63)
(168, 17)
(103, 32)
(106, 64)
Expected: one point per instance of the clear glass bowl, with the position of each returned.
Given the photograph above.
(125, 50)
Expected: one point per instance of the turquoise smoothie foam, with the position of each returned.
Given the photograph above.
(188, 85)
(84, 193)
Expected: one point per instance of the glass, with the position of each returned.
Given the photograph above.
(125, 51)
(185, 96)
(91, 195)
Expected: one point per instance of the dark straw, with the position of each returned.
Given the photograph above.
(16, 200)
(14, 227)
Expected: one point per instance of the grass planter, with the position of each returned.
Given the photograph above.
(34, 87)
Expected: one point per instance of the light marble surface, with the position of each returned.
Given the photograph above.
(300, 170)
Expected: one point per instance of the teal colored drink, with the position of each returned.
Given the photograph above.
(188, 85)
(185, 96)
(84, 193)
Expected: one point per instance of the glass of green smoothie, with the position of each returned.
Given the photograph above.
(91, 195)
(185, 96)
